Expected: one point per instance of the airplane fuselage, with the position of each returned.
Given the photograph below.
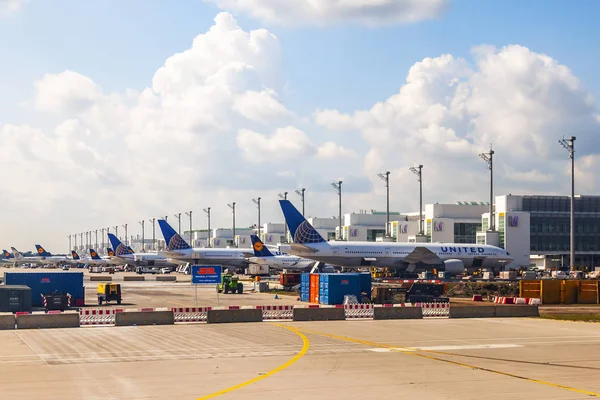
(399, 255)
(280, 262)
(235, 258)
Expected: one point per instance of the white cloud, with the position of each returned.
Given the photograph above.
(333, 151)
(287, 143)
(449, 110)
(67, 91)
(326, 12)
(8, 7)
(260, 106)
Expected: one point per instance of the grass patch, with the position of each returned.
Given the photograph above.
(573, 317)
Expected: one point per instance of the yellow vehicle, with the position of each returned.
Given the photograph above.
(109, 292)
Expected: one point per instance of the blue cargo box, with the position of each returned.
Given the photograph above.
(365, 283)
(42, 283)
(333, 287)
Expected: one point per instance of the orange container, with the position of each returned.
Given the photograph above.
(314, 288)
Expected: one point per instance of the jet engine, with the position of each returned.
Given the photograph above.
(453, 267)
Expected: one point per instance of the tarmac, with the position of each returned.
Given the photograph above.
(497, 358)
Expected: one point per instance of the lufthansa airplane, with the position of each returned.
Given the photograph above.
(278, 261)
(450, 257)
(179, 249)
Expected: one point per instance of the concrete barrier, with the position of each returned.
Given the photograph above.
(517, 311)
(166, 278)
(226, 316)
(69, 319)
(100, 278)
(473, 311)
(7, 321)
(136, 278)
(319, 314)
(397, 313)
(139, 318)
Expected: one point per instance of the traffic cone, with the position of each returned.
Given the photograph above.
(276, 297)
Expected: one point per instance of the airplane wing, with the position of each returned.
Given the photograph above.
(423, 255)
(248, 254)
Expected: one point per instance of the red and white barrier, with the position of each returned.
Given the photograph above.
(190, 314)
(95, 316)
(356, 311)
(277, 312)
(434, 309)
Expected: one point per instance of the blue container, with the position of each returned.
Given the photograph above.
(42, 283)
(305, 287)
(333, 287)
(365, 283)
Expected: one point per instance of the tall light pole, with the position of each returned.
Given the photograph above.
(116, 233)
(81, 240)
(143, 235)
(301, 194)
(102, 248)
(70, 248)
(257, 202)
(232, 206)
(166, 218)
(75, 236)
(569, 144)
(386, 178)
(489, 158)
(125, 226)
(419, 172)
(153, 220)
(284, 196)
(96, 231)
(207, 211)
(189, 214)
(178, 216)
(338, 186)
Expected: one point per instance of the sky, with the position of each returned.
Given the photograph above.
(114, 112)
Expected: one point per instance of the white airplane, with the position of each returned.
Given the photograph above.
(125, 255)
(280, 261)
(450, 257)
(179, 249)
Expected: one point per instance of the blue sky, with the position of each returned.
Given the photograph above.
(204, 131)
(120, 44)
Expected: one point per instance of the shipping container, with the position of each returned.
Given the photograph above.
(257, 269)
(42, 283)
(289, 279)
(333, 287)
(305, 287)
(314, 288)
(15, 298)
(512, 275)
(365, 284)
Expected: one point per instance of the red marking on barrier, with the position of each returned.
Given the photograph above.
(388, 305)
(146, 309)
(234, 307)
(340, 306)
(21, 313)
(313, 306)
(54, 312)
(477, 297)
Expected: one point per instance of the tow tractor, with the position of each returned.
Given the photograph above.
(230, 284)
(109, 292)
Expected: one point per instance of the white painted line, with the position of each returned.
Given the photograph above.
(445, 348)
(467, 347)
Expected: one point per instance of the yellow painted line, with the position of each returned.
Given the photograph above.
(419, 353)
(305, 346)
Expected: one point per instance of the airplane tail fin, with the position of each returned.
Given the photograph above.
(110, 252)
(172, 238)
(7, 254)
(16, 253)
(260, 250)
(301, 230)
(120, 248)
(41, 251)
(94, 255)
(75, 255)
